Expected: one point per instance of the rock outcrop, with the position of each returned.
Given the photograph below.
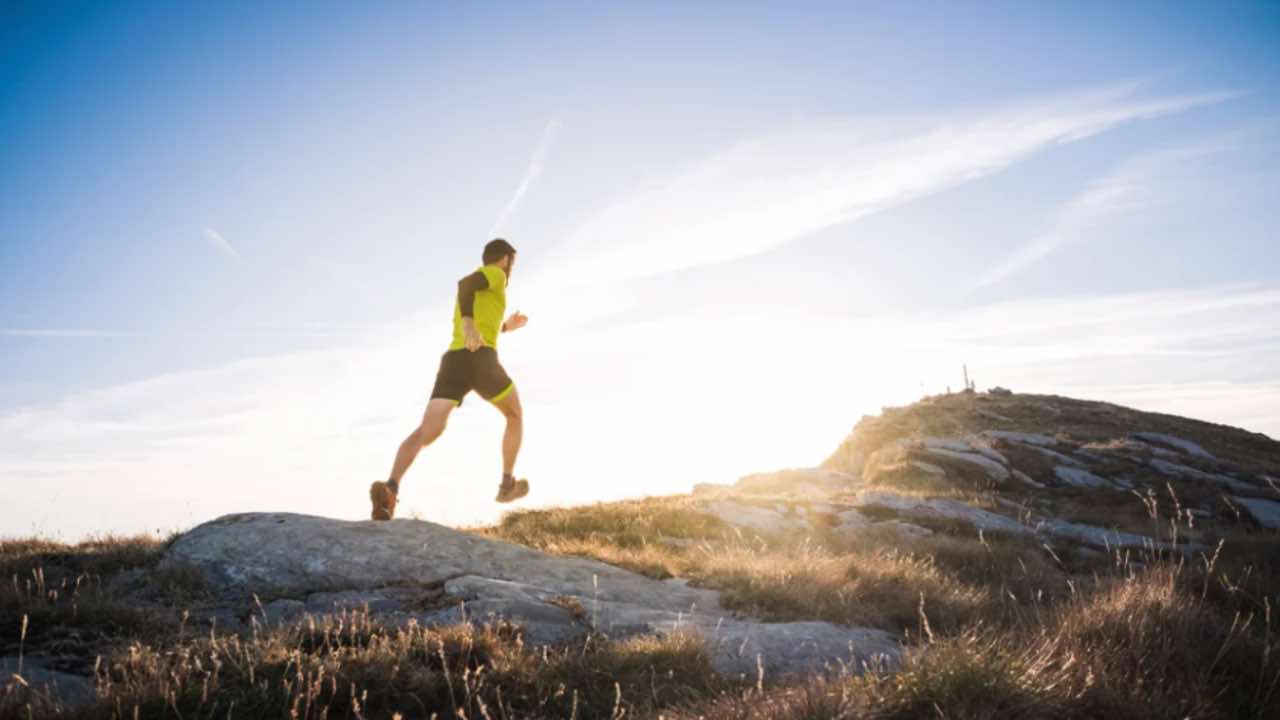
(1043, 468)
(1265, 512)
(413, 570)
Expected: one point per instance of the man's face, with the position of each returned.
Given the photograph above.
(508, 264)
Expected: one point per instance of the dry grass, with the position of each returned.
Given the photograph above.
(629, 523)
(348, 667)
(1145, 646)
(58, 599)
(881, 589)
(99, 556)
(876, 578)
(1005, 628)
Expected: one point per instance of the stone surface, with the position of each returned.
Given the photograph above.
(975, 444)
(905, 528)
(1265, 512)
(798, 481)
(1133, 447)
(1177, 469)
(290, 555)
(1173, 441)
(928, 468)
(283, 611)
(852, 520)
(952, 444)
(1079, 477)
(375, 602)
(1026, 479)
(992, 468)
(221, 619)
(926, 508)
(554, 598)
(754, 517)
(1097, 536)
(1020, 437)
(983, 446)
(734, 643)
(72, 691)
(1057, 456)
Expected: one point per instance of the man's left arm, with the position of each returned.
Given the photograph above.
(515, 322)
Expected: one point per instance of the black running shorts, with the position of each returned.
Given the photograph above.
(462, 371)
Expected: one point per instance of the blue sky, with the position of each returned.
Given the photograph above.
(229, 235)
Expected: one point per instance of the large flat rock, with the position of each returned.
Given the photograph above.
(291, 555)
(305, 563)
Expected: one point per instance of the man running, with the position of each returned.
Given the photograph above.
(471, 363)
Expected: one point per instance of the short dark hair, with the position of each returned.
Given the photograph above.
(495, 250)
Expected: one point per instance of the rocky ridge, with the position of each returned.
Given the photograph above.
(277, 567)
(1031, 475)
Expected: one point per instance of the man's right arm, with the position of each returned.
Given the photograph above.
(467, 289)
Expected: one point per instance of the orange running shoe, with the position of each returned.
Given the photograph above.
(511, 490)
(384, 500)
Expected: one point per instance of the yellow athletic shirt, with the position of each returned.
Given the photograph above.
(490, 306)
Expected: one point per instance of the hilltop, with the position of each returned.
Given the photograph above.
(970, 555)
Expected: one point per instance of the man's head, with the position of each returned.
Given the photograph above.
(499, 252)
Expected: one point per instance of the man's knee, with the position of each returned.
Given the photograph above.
(513, 412)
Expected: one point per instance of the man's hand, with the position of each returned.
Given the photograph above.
(515, 322)
(472, 336)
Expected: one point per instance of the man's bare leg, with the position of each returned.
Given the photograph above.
(433, 423)
(510, 408)
(383, 495)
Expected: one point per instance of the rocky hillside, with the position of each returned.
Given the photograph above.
(1066, 459)
(969, 555)
(1069, 471)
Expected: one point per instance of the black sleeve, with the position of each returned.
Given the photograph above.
(467, 289)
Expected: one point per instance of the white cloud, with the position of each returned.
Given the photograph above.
(536, 164)
(774, 189)
(64, 333)
(1127, 188)
(221, 244)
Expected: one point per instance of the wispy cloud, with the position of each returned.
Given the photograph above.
(216, 240)
(536, 163)
(774, 189)
(1109, 196)
(1126, 188)
(64, 333)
